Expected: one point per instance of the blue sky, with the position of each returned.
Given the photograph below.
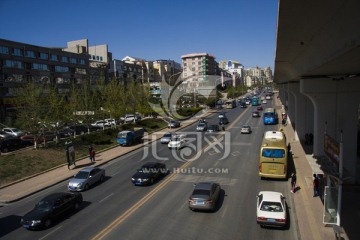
(241, 30)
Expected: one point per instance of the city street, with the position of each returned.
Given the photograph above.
(118, 208)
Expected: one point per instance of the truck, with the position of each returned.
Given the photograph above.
(129, 137)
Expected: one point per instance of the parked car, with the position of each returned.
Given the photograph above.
(202, 126)
(255, 114)
(101, 124)
(111, 122)
(85, 178)
(166, 138)
(66, 132)
(4, 134)
(50, 209)
(223, 121)
(13, 131)
(245, 129)
(12, 144)
(271, 209)
(213, 128)
(204, 196)
(177, 142)
(149, 173)
(128, 118)
(173, 124)
(40, 138)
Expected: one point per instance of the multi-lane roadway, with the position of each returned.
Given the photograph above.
(116, 209)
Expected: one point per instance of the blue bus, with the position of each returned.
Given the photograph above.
(255, 101)
(270, 116)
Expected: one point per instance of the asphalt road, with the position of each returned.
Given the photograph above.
(116, 209)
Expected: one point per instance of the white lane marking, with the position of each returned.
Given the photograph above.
(50, 233)
(106, 198)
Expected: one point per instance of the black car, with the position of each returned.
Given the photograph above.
(213, 128)
(223, 121)
(50, 209)
(66, 132)
(12, 144)
(149, 173)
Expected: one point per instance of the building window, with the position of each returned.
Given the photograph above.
(185, 74)
(73, 60)
(13, 64)
(193, 69)
(199, 63)
(61, 69)
(39, 66)
(64, 59)
(4, 50)
(185, 64)
(82, 61)
(17, 52)
(44, 56)
(54, 57)
(13, 78)
(80, 71)
(193, 63)
(30, 54)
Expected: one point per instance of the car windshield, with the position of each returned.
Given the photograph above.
(82, 175)
(201, 124)
(271, 207)
(167, 135)
(176, 139)
(273, 153)
(212, 127)
(43, 206)
(122, 135)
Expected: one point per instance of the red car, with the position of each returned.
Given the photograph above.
(260, 108)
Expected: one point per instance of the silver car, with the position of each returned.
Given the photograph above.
(205, 196)
(167, 137)
(86, 178)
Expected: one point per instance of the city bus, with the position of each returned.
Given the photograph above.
(230, 104)
(255, 101)
(270, 116)
(273, 161)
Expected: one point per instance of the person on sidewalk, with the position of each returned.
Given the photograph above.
(293, 182)
(92, 155)
(90, 152)
(316, 185)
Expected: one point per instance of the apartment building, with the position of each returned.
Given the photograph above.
(197, 66)
(21, 63)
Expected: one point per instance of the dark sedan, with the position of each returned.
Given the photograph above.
(223, 121)
(174, 124)
(50, 209)
(149, 173)
(213, 128)
(12, 144)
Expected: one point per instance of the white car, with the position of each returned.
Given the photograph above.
(201, 127)
(13, 132)
(271, 209)
(177, 142)
(245, 129)
(263, 101)
(101, 123)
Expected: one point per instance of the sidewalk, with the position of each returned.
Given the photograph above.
(309, 209)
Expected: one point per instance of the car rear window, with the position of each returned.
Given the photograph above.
(271, 207)
(201, 192)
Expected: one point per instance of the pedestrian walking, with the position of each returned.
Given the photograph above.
(92, 155)
(293, 182)
(316, 185)
(91, 149)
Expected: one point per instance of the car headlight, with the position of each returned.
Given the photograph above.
(35, 222)
(132, 179)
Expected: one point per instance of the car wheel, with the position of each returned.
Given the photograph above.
(76, 206)
(86, 187)
(47, 223)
